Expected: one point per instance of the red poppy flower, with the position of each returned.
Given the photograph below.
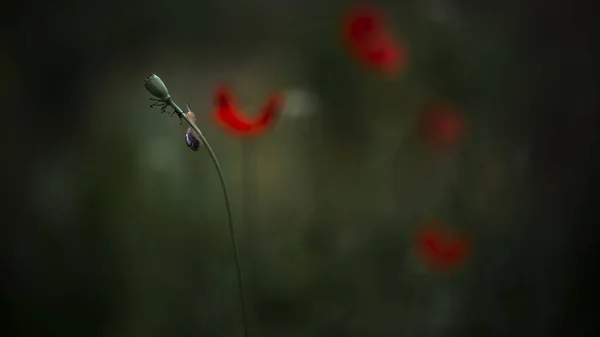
(441, 249)
(230, 116)
(442, 125)
(368, 37)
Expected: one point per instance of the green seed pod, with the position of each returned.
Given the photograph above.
(156, 87)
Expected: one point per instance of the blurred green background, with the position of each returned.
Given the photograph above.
(113, 227)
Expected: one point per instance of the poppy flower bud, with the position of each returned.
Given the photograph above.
(156, 87)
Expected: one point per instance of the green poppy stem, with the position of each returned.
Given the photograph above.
(250, 202)
(234, 243)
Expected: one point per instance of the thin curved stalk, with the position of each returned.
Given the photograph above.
(236, 251)
(249, 198)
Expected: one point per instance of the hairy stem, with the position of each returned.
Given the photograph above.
(236, 251)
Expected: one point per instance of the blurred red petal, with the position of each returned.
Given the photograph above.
(232, 121)
(271, 110)
(224, 98)
(229, 116)
(363, 24)
(369, 39)
(387, 57)
(440, 248)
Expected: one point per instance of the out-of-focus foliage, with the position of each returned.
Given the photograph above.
(122, 231)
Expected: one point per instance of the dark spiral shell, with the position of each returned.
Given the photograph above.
(191, 140)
